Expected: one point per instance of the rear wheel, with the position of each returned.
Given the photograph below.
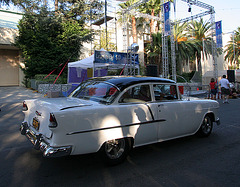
(206, 127)
(115, 151)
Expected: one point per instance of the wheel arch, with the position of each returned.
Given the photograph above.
(212, 118)
(211, 115)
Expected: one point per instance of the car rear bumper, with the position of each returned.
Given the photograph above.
(217, 121)
(40, 144)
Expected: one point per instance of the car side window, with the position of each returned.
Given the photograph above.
(136, 94)
(165, 92)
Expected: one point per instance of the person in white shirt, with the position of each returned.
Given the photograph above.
(225, 89)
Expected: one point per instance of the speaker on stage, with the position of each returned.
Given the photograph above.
(231, 75)
(152, 70)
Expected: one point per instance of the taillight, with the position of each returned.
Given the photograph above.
(25, 108)
(53, 121)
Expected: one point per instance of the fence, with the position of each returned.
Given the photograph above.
(62, 89)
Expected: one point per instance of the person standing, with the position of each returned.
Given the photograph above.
(225, 89)
(213, 88)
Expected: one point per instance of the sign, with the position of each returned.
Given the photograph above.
(111, 58)
(167, 26)
(219, 34)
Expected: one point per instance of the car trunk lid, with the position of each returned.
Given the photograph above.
(40, 110)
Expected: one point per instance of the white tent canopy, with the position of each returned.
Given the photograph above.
(79, 70)
(86, 63)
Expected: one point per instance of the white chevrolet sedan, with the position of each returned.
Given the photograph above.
(112, 115)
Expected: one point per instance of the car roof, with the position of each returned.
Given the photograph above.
(125, 81)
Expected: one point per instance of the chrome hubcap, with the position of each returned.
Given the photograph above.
(115, 148)
(206, 126)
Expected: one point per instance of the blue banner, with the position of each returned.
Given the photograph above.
(107, 57)
(219, 34)
(167, 26)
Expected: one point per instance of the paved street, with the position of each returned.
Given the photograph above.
(191, 161)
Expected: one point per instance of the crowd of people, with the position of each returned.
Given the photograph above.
(223, 88)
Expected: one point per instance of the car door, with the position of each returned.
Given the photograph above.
(136, 99)
(174, 115)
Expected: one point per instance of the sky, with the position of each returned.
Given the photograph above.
(227, 11)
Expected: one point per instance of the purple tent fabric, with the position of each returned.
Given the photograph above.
(77, 75)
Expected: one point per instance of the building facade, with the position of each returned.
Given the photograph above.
(10, 63)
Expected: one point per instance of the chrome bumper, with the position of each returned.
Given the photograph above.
(39, 143)
(217, 121)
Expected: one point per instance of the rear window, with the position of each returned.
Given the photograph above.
(95, 91)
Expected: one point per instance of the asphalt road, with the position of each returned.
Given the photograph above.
(191, 161)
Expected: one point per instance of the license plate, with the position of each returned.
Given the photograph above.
(36, 123)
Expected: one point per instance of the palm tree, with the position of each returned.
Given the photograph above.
(5, 2)
(185, 48)
(153, 8)
(200, 32)
(233, 49)
(154, 50)
(123, 7)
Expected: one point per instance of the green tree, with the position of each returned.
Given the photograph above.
(199, 32)
(154, 50)
(185, 47)
(46, 41)
(5, 2)
(233, 49)
(153, 8)
(103, 43)
(123, 7)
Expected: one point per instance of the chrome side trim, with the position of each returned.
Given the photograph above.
(114, 127)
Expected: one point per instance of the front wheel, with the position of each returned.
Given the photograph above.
(115, 151)
(206, 127)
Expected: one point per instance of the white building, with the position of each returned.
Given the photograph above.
(10, 72)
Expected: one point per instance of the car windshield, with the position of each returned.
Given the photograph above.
(96, 91)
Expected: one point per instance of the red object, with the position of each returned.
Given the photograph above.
(61, 72)
(112, 91)
(52, 72)
(181, 89)
(212, 85)
(25, 108)
(53, 121)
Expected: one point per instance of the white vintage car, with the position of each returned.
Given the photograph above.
(112, 115)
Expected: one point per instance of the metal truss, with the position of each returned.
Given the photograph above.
(138, 3)
(210, 11)
(173, 55)
(199, 4)
(138, 14)
(195, 16)
(214, 48)
(165, 69)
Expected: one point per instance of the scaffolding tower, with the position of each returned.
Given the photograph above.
(165, 70)
(209, 11)
(165, 67)
(105, 26)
